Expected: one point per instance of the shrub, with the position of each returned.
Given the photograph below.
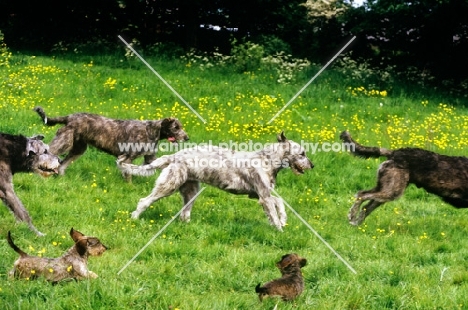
(5, 54)
(247, 56)
(360, 72)
(274, 45)
(286, 66)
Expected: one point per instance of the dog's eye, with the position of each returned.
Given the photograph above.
(303, 154)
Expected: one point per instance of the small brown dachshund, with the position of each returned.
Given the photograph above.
(290, 285)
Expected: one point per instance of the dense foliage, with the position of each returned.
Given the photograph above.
(425, 36)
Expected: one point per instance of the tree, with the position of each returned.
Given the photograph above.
(431, 35)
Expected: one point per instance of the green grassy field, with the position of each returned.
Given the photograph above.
(409, 254)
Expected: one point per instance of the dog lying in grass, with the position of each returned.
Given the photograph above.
(109, 135)
(21, 154)
(72, 265)
(445, 176)
(249, 173)
(291, 283)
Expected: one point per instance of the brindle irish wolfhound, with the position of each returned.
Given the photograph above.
(21, 154)
(249, 173)
(109, 135)
(445, 176)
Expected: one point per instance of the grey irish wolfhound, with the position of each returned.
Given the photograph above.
(21, 154)
(109, 135)
(249, 173)
(445, 176)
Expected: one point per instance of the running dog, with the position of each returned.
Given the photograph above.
(250, 173)
(109, 135)
(445, 176)
(22, 154)
(72, 265)
(291, 283)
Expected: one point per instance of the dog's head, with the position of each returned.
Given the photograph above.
(291, 263)
(85, 245)
(167, 128)
(295, 155)
(40, 160)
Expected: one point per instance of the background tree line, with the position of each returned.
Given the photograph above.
(428, 35)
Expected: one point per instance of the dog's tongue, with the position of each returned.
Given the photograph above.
(171, 139)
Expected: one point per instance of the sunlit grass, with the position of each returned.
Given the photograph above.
(215, 261)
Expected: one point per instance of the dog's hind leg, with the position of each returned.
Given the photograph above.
(64, 143)
(357, 218)
(188, 190)
(128, 160)
(392, 182)
(171, 179)
(149, 159)
(77, 150)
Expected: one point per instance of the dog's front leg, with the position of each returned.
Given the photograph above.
(83, 273)
(281, 211)
(269, 206)
(14, 204)
(353, 213)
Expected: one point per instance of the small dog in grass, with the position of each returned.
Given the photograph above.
(72, 265)
(290, 285)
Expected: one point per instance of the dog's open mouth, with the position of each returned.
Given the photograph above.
(46, 172)
(297, 168)
(172, 139)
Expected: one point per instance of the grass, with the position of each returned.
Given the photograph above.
(409, 254)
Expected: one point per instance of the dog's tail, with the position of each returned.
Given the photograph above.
(50, 121)
(143, 170)
(14, 247)
(363, 151)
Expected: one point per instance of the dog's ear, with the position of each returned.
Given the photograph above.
(285, 261)
(82, 246)
(37, 137)
(281, 137)
(75, 235)
(35, 145)
(166, 122)
(153, 130)
(303, 262)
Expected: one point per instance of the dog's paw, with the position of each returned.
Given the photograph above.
(185, 219)
(135, 215)
(355, 220)
(121, 159)
(92, 275)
